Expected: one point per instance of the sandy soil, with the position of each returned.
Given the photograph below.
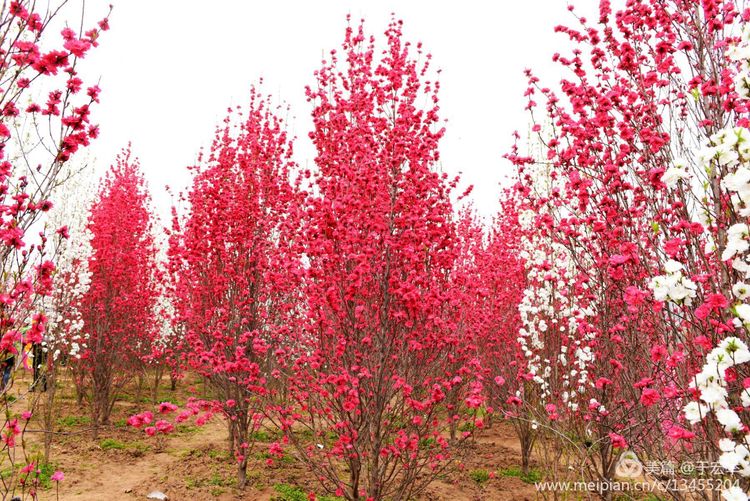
(193, 464)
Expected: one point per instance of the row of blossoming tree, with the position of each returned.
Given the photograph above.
(604, 312)
(633, 206)
(331, 305)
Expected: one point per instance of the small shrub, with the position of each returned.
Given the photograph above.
(110, 444)
(74, 421)
(479, 476)
(529, 478)
(293, 493)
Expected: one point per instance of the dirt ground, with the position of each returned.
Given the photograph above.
(193, 463)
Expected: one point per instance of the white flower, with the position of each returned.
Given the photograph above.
(741, 290)
(734, 494)
(672, 266)
(743, 312)
(660, 288)
(742, 85)
(730, 460)
(672, 175)
(729, 419)
(738, 181)
(736, 241)
(727, 445)
(695, 411)
(682, 290)
(736, 349)
(714, 395)
(741, 266)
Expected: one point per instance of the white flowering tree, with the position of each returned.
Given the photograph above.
(65, 339)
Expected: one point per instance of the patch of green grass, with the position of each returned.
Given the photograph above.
(74, 421)
(217, 491)
(111, 444)
(121, 423)
(45, 473)
(467, 426)
(6, 473)
(220, 481)
(479, 476)
(285, 458)
(186, 429)
(124, 397)
(427, 443)
(265, 436)
(293, 493)
(138, 448)
(217, 454)
(216, 481)
(304, 434)
(529, 478)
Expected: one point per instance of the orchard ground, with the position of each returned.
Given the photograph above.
(194, 463)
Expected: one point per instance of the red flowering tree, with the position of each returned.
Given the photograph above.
(119, 305)
(495, 278)
(636, 221)
(44, 121)
(370, 372)
(234, 270)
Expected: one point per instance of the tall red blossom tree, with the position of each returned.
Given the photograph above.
(119, 305)
(234, 269)
(491, 262)
(371, 370)
(636, 223)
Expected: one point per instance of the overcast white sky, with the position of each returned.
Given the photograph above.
(169, 69)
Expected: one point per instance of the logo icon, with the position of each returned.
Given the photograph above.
(628, 466)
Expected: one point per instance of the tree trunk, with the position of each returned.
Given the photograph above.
(158, 373)
(49, 414)
(242, 473)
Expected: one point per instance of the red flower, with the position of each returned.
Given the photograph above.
(649, 397)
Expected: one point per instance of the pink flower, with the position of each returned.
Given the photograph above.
(167, 407)
(183, 416)
(703, 342)
(658, 352)
(514, 400)
(474, 401)
(58, 476)
(618, 441)
(163, 426)
(649, 397)
(150, 431)
(679, 433)
(602, 382)
(26, 415)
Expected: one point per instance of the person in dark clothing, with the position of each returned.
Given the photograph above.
(8, 365)
(39, 361)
